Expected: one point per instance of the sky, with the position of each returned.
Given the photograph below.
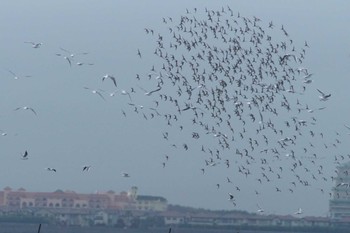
(74, 127)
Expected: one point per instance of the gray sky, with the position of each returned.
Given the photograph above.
(74, 127)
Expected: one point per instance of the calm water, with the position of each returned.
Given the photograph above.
(33, 228)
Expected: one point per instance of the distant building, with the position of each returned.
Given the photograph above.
(216, 219)
(20, 198)
(148, 203)
(71, 208)
(339, 205)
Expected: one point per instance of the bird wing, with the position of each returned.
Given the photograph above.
(114, 81)
(70, 63)
(11, 72)
(33, 110)
(100, 95)
(321, 92)
(65, 50)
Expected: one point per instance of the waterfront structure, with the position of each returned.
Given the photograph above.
(217, 219)
(21, 199)
(339, 205)
(147, 202)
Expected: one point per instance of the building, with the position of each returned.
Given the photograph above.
(20, 198)
(339, 205)
(148, 203)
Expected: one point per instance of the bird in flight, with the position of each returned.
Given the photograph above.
(124, 174)
(300, 211)
(124, 92)
(71, 55)
(69, 61)
(323, 96)
(86, 168)
(139, 53)
(93, 91)
(34, 44)
(15, 76)
(51, 169)
(260, 210)
(111, 78)
(231, 197)
(26, 108)
(3, 133)
(148, 93)
(24, 155)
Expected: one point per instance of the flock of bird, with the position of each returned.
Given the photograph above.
(235, 89)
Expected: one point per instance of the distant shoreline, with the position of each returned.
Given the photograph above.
(31, 227)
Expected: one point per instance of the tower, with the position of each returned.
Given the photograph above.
(133, 192)
(339, 205)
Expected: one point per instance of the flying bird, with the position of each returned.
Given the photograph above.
(111, 78)
(34, 44)
(26, 108)
(139, 53)
(231, 197)
(3, 133)
(69, 61)
(300, 211)
(15, 76)
(51, 169)
(24, 155)
(126, 175)
(124, 92)
(148, 93)
(86, 167)
(93, 91)
(260, 210)
(323, 96)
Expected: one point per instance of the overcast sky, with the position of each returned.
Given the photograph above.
(73, 127)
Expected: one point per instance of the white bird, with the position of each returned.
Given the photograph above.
(124, 92)
(307, 76)
(111, 94)
(93, 91)
(148, 93)
(304, 70)
(72, 55)
(82, 63)
(300, 211)
(312, 110)
(347, 185)
(15, 75)
(111, 78)
(3, 133)
(26, 108)
(124, 174)
(260, 210)
(307, 81)
(69, 61)
(323, 96)
(34, 44)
